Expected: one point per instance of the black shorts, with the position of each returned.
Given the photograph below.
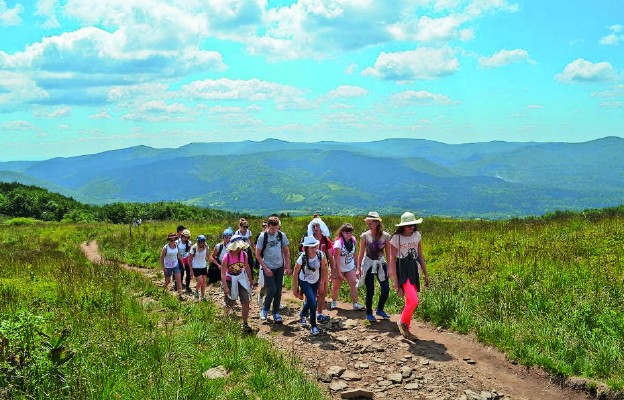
(200, 271)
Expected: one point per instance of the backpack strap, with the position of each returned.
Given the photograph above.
(265, 239)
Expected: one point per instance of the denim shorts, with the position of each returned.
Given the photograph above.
(171, 271)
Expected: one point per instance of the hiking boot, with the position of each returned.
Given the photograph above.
(196, 295)
(382, 314)
(371, 318)
(322, 318)
(303, 321)
(263, 314)
(405, 331)
(333, 304)
(357, 306)
(246, 328)
(277, 319)
(315, 331)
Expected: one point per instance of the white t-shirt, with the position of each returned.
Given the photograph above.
(199, 256)
(408, 244)
(347, 258)
(171, 257)
(311, 273)
(246, 237)
(182, 247)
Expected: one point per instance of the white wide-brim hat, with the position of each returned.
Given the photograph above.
(237, 243)
(310, 241)
(409, 219)
(373, 216)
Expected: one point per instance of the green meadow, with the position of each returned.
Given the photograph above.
(547, 291)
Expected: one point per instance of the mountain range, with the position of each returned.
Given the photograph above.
(490, 179)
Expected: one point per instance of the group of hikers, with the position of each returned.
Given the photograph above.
(382, 256)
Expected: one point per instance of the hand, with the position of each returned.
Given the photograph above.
(400, 292)
(288, 271)
(396, 286)
(295, 292)
(358, 273)
(226, 291)
(268, 272)
(426, 280)
(251, 283)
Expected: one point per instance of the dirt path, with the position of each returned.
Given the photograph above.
(440, 365)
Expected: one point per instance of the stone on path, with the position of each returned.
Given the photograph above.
(412, 386)
(357, 393)
(337, 386)
(335, 370)
(472, 395)
(216, 373)
(395, 378)
(406, 372)
(351, 376)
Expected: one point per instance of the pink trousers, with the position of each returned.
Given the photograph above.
(411, 302)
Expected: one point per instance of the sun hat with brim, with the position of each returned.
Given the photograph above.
(310, 241)
(372, 216)
(186, 233)
(172, 236)
(237, 243)
(409, 219)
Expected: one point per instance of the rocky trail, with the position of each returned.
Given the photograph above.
(353, 358)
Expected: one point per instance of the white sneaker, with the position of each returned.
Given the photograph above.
(260, 299)
(263, 315)
(333, 304)
(358, 306)
(281, 307)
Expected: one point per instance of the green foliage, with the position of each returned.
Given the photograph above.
(22, 221)
(70, 329)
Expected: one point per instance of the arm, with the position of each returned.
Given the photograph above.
(338, 272)
(388, 249)
(267, 271)
(422, 264)
(224, 282)
(392, 267)
(286, 254)
(295, 281)
(361, 253)
(163, 252)
(190, 261)
(248, 271)
(324, 274)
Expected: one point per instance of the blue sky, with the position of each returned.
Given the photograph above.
(84, 76)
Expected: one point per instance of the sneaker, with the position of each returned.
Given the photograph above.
(263, 314)
(247, 328)
(405, 331)
(303, 322)
(315, 331)
(281, 307)
(382, 314)
(371, 318)
(358, 306)
(188, 290)
(322, 318)
(277, 319)
(196, 294)
(333, 304)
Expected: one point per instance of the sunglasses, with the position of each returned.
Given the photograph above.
(349, 232)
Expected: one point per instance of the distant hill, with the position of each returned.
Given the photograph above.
(493, 179)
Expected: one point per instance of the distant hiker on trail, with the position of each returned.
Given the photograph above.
(373, 264)
(344, 265)
(274, 256)
(184, 247)
(219, 251)
(170, 261)
(197, 258)
(246, 234)
(319, 230)
(236, 279)
(405, 261)
(310, 271)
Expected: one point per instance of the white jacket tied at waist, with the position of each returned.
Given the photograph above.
(377, 268)
(236, 279)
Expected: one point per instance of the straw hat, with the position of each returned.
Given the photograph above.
(409, 219)
(237, 243)
(373, 216)
(172, 236)
(186, 233)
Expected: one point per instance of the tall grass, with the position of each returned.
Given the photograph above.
(69, 329)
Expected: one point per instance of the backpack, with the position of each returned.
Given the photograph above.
(219, 248)
(265, 239)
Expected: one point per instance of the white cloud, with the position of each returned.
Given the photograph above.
(421, 63)
(612, 104)
(101, 115)
(581, 70)
(10, 16)
(616, 91)
(18, 88)
(535, 106)
(18, 125)
(58, 112)
(225, 109)
(478, 8)
(47, 10)
(427, 29)
(254, 108)
(159, 106)
(421, 97)
(505, 57)
(615, 37)
(346, 91)
(350, 70)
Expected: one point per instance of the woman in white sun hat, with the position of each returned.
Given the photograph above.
(310, 271)
(405, 260)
